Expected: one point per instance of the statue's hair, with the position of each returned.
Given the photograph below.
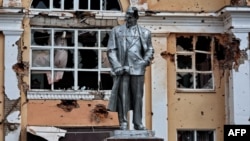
(134, 10)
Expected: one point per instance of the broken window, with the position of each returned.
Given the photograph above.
(195, 135)
(194, 62)
(76, 4)
(63, 59)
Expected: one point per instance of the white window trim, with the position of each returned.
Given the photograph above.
(70, 94)
(67, 94)
(75, 8)
(193, 71)
(195, 132)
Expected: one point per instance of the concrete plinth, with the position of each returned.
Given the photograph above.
(133, 135)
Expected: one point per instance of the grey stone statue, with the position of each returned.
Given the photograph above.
(130, 51)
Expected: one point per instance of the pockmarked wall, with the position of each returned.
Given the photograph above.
(180, 5)
(187, 5)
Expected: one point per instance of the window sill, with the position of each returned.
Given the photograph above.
(69, 95)
(195, 91)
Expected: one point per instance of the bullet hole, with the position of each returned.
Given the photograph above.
(99, 113)
(202, 21)
(153, 114)
(178, 99)
(166, 54)
(89, 105)
(19, 68)
(24, 47)
(68, 105)
(202, 113)
(12, 126)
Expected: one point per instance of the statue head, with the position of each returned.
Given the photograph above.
(131, 16)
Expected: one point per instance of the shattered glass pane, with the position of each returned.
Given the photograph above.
(203, 43)
(83, 4)
(63, 58)
(95, 5)
(203, 62)
(40, 58)
(88, 58)
(106, 81)
(184, 80)
(87, 80)
(68, 4)
(104, 38)
(39, 80)
(185, 135)
(40, 37)
(67, 53)
(40, 4)
(184, 61)
(63, 80)
(111, 5)
(184, 43)
(204, 81)
(88, 39)
(64, 38)
(105, 62)
(57, 4)
(205, 135)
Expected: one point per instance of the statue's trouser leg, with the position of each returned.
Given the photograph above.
(137, 87)
(123, 99)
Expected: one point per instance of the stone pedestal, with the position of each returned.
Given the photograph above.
(133, 135)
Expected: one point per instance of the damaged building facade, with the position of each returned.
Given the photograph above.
(55, 81)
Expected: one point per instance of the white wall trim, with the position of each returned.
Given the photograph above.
(11, 26)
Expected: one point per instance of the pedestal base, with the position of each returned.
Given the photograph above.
(133, 135)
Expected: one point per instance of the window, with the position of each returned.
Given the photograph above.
(76, 4)
(69, 60)
(194, 63)
(195, 135)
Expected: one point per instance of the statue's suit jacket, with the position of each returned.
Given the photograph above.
(130, 52)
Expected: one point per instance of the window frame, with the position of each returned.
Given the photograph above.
(76, 93)
(195, 133)
(75, 6)
(193, 69)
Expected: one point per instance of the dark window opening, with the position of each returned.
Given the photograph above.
(184, 80)
(112, 5)
(40, 4)
(203, 43)
(203, 62)
(184, 61)
(76, 66)
(194, 62)
(184, 43)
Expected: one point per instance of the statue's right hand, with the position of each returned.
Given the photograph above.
(119, 71)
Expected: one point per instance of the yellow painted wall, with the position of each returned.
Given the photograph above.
(187, 5)
(1, 3)
(181, 5)
(194, 110)
(46, 112)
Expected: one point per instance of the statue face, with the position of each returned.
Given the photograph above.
(130, 19)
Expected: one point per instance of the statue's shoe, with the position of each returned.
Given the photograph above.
(139, 127)
(124, 126)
